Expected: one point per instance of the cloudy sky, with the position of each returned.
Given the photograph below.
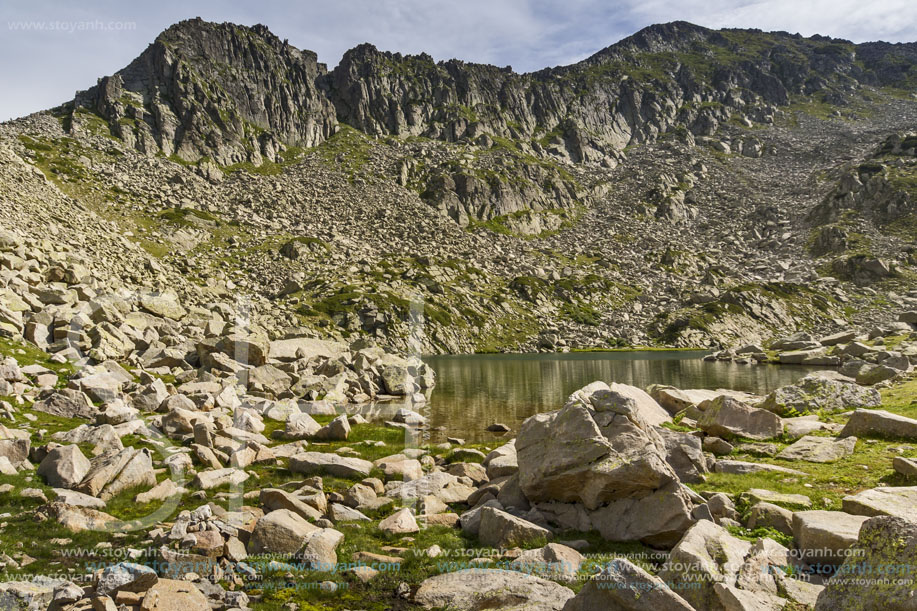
(51, 48)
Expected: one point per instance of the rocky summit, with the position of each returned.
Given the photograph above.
(684, 186)
(219, 267)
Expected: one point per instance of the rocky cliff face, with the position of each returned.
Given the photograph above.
(233, 94)
(665, 76)
(230, 93)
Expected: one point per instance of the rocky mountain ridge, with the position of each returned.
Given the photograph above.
(444, 207)
(202, 87)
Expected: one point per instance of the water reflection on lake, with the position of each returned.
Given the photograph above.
(474, 391)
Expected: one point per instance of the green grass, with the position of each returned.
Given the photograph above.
(826, 484)
(29, 354)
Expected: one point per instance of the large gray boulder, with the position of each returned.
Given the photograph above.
(322, 463)
(64, 467)
(898, 501)
(500, 529)
(768, 515)
(478, 589)
(125, 577)
(274, 498)
(705, 556)
(817, 392)
(823, 537)
(502, 461)
(880, 571)
(320, 550)
(14, 444)
(280, 532)
(879, 423)
(728, 418)
(554, 561)
(115, 472)
(623, 586)
(579, 454)
(66, 403)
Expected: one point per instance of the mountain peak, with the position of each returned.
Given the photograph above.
(236, 93)
(229, 92)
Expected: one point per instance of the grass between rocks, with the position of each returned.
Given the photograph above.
(826, 484)
(54, 550)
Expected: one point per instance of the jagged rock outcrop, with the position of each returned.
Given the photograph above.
(227, 92)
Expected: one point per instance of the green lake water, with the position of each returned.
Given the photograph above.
(475, 391)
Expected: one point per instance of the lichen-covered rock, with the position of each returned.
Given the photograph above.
(820, 393)
(880, 573)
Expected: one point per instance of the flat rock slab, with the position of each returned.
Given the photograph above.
(78, 499)
(739, 467)
(880, 423)
(823, 536)
(757, 495)
(819, 449)
(474, 589)
(803, 425)
(900, 502)
(905, 466)
(171, 595)
(318, 463)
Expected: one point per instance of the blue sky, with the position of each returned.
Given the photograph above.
(51, 48)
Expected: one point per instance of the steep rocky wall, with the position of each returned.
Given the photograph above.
(235, 93)
(227, 92)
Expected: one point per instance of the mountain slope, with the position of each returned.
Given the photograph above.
(684, 186)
